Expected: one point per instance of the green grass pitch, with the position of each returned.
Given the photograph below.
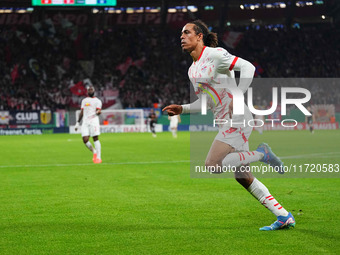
(141, 200)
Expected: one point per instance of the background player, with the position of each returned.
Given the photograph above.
(230, 147)
(309, 120)
(174, 120)
(152, 122)
(91, 109)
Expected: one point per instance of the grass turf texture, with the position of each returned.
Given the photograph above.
(55, 201)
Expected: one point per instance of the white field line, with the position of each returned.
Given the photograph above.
(315, 155)
(90, 164)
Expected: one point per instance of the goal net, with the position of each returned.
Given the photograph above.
(119, 121)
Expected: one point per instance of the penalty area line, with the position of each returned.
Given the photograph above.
(104, 163)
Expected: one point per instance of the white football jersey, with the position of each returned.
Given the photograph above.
(215, 67)
(90, 105)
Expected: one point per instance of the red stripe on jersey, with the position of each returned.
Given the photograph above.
(248, 153)
(240, 156)
(253, 153)
(276, 204)
(201, 53)
(233, 64)
(244, 138)
(279, 208)
(268, 196)
(231, 130)
(230, 95)
(271, 198)
(213, 90)
(244, 158)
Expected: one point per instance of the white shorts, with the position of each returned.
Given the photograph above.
(235, 137)
(90, 129)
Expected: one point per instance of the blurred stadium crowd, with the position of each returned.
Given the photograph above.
(144, 66)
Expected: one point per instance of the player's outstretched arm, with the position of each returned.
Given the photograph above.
(173, 109)
(247, 71)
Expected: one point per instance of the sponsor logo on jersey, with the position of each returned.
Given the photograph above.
(204, 88)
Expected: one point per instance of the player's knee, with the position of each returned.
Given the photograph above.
(213, 166)
(85, 139)
(211, 162)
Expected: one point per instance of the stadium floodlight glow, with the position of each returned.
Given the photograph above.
(130, 10)
(192, 8)
(282, 5)
(252, 20)
(78, 3)
(252, 7)
(21, 11)
(242, 7)
(154, 10)
(303, 3)
(172, 10)
(323, 16)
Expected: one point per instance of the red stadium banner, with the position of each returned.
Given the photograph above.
(176, 20)
(78, 89)
(231, 38)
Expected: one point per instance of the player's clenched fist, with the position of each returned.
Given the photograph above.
(76, 126)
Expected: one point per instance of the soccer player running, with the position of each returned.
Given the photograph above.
(309, 120)
(90, 110)
(153, 122)
(230, 147)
